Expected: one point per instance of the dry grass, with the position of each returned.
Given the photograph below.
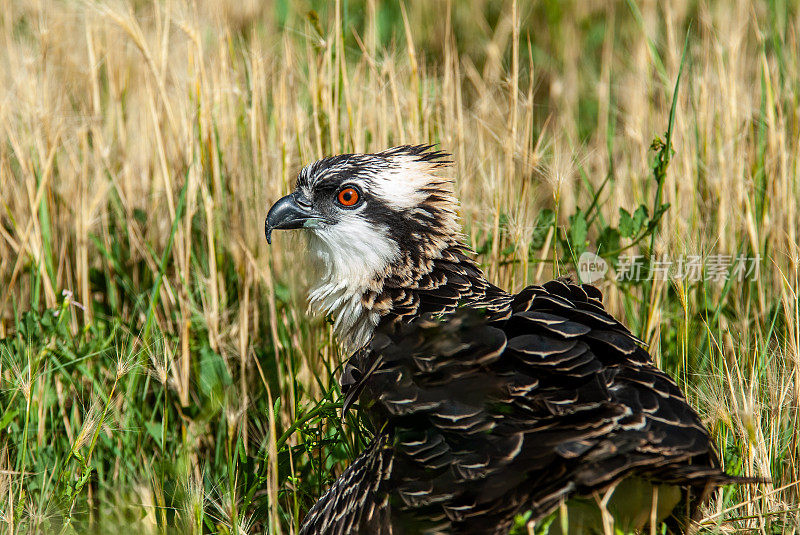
(142, 144)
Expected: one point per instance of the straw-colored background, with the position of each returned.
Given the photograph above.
(141, 144)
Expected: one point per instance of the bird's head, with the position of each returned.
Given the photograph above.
(369, 219)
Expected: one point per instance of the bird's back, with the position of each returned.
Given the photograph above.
(479, 418)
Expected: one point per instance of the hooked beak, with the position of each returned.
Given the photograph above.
(287, 213)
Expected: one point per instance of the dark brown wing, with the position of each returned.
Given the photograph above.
(493, 418)
(357, 502)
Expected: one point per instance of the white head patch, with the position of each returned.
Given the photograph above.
(404, 186)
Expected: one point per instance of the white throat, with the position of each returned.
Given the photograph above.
(350, 258)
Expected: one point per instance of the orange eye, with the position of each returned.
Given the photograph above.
(348, 197)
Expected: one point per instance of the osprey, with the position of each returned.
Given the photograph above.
(486, 405)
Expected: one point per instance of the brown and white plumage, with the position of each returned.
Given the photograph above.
(485, 404)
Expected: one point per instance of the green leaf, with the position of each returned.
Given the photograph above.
(155, 430)
(214, 377)
(626, 224)
(7, 417)
(640, 217)
(282, 293)
(608, 242)
(578, 229)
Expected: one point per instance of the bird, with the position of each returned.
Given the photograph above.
(486, 406)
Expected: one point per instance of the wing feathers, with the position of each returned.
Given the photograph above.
(493, 412)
